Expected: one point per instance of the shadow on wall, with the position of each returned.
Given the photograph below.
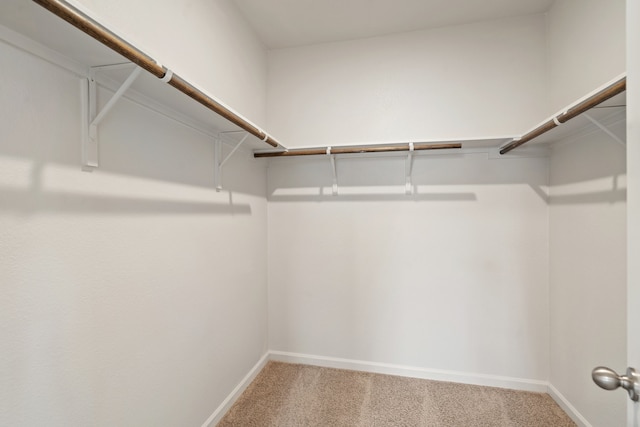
(323, 197)
(601, 197)
(590, 170)
(26, 202)
(611, 196)
(71, 190)
(434, 178)
(41, 123)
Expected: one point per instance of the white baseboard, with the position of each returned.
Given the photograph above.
(235, 394)
(413, 372)
(568, 407)
(400, 370)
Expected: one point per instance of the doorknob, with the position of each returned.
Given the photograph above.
(608, 379)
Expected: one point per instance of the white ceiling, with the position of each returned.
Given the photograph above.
(286, 23)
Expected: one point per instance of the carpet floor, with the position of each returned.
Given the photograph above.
(290, 395)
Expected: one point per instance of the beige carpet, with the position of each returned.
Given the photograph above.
(288, 395)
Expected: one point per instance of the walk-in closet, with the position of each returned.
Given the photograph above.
(209, 203)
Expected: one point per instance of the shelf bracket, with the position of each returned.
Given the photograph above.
(219, 161)
(91, 118)
(605, 129)
(408, 166)
(332, 157)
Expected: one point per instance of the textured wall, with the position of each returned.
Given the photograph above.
(587, 251)
(587, 212)
(133, 295)
(586, 47)
(471, 81)
(453, 277)
(207, 42)
(633, 195)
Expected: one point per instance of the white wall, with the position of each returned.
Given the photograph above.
(587, 218)
(133, 295)
(206, 42)
(586, 47)
(452, 278)
(633, 196)
(481, 80)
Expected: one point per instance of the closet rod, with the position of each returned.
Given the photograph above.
(89, 26)
(356, 150)
(599, 97)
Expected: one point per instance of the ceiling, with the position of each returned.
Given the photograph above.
(287, 23)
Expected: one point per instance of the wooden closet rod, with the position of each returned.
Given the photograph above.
(606, 93)
(356, 150)
(89, 26)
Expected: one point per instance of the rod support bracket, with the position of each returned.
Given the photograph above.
(605, 129)
(408, 166)
(89, 138)
(332, 157)
(219, 162)
(91, 117)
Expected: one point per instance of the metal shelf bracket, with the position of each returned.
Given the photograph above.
(219, 161)
(408, 166)
(91, 118)
(332, 157)
(605, 129)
